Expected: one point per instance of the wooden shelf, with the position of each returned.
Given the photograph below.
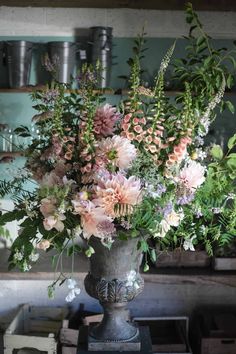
(42, 270)
(204, 5)
(108, 91)
(29, 89)
(20, 90)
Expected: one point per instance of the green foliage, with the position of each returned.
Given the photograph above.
(204, 64)
(217, 152)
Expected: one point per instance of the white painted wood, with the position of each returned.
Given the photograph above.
(92, 319)
(31, 329)
(125, 22)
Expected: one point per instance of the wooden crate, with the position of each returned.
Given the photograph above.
(168, 334)
(34, 327)
(181, 258)
(69, 336)
(215, 332)
(224, 263)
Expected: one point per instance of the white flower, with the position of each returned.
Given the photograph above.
(188, 244)
(26, 267)
(201, 154)
(74, 290)
(231, 196)
(18, 256)
(131, 278)
(174, 218)
(164, 228)
(34, 257)
(216, 210)
(43, 244)
(72, 294)
(71, 283)
(171, 219)
(77, 231)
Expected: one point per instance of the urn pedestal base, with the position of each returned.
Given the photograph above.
(133, 344)
(146, 344)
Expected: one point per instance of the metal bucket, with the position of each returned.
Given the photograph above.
(101, 41)
(64, 53)
(18, 59)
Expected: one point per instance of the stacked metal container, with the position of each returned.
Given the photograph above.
(101, 41)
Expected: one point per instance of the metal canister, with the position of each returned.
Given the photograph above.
(18, 59)
(64, 54)
(101, 50)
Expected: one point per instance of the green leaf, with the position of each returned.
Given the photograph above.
(230, 81)
(153, 255)
(217, 152)
(200, 41)
(231, 161)
(11, 216)
(51, 292)
(146, 267)
(89, 252)
(134, 233)
(143, 246)
(232, 142)
(122, 236)
(230, 106)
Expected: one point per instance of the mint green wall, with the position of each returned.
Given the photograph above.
(122, 50)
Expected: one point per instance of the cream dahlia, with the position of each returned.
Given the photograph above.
(192, 175)
(118, 151)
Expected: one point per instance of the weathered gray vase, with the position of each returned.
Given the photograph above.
(114, 280)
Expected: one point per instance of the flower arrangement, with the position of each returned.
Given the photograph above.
(99, 171)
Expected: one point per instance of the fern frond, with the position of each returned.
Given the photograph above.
(5, 188)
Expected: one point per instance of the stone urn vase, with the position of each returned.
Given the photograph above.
(114, 280)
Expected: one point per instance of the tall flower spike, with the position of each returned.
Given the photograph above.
(166, 60)
(164, 63)
(205, 119)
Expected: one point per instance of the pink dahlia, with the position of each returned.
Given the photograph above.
(54, 221)
(192, 175)
(48, 206)
(51, 179)
(118, 151)
(105, 120)
(118, 191)
(91, 217)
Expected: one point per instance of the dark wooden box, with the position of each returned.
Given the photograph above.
(168, 334)
(181, 258)
(215, 332)
(224, 263)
